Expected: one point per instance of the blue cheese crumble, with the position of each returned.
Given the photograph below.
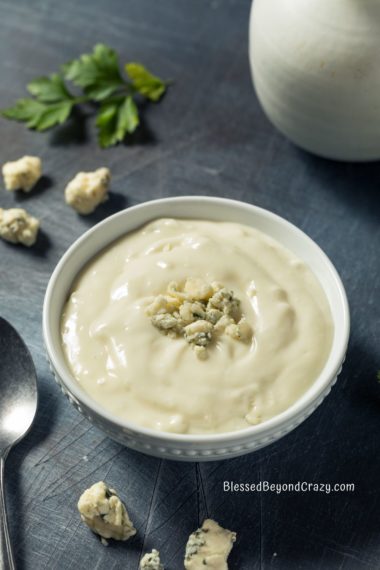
(17, 226)
(209, 547)
(87, 190)
(151, 561)
(104, 513)
(22, 174)
(198, 312)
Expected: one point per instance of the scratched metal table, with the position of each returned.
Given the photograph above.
(207, 137)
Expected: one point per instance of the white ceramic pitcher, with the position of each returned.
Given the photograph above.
(316, 70)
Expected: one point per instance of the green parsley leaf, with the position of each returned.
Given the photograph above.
(37, 115)
(24, 110)
(106, 122)
(54, 114)
(99, 77)
(147, 84)
(97, 73)
(378, 375)
(116, 118)
(128, 117)
(49, 89)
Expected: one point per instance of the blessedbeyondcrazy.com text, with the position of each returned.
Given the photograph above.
(295, 487)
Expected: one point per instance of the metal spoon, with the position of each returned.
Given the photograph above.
(18, 404)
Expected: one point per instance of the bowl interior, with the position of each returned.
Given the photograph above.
(216, 209)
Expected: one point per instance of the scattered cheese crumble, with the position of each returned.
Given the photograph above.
(151, 561)
(103, 512)
(87, 190)
(22, 174)
(209, 547)
(198, 311)
(17, 226)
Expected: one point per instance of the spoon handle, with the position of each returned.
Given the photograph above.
(6, 556)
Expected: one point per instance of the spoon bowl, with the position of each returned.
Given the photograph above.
(18, 405)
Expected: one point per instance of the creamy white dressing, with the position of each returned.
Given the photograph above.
(141, 375)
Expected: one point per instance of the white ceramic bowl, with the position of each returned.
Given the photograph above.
(181, 446)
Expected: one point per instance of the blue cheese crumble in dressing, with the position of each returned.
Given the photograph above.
(143, 376)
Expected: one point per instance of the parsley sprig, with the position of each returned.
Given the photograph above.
(99, 78)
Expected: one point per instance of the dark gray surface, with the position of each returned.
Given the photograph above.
(207, 137)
